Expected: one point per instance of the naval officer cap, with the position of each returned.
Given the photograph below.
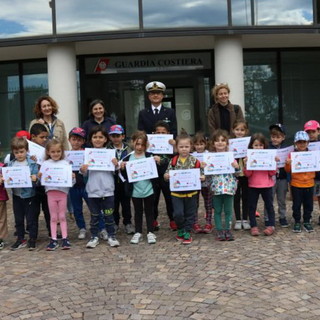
(155, 86)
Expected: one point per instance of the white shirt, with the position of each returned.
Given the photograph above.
(153, 108)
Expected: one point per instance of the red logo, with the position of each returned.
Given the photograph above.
(102, 65)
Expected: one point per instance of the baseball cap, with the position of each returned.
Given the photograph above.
(116, 129)
(301, 136)
(22, 134)
(155, 86)
(278, 126)
(311, 125)
(77, 132)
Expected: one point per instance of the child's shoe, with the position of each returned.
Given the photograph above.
(151, 238)
(238, 225)
(65, 244)
(53, 245)
(283, 223)
(104, 234)
(268, 231)
(31, 244)
(197, 228)
(19, 244)
(308, 227)
(1, 244)
(207, 228)
(297, 227)
(173, 225)
(180, 235)
(254, 231)
(246, 225)
(228, 235)
(187, 239)
(82, 234)
(156, 225)
(137, 237)
(113, 242)
(93, 242)
(129, 228)
(221, 236)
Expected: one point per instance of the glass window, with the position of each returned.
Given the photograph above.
(241, 12)
(181, 13)
(261, 95)
(75, 16)
(275, 12)
(24, 19)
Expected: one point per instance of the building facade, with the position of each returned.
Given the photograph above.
(268, 52)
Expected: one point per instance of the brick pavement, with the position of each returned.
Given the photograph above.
(251, 278)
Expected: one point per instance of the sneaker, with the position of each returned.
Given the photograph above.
(151, 238)
(53, 245)
(66, 244)
(82, 234)
(221, 236)
(104, 234)
(268, 231)
(19, 244)
(207, 228)
(129, 229)
(254, 231)
(156, 225)
(187, 238)
(238, 225)
(113, 242)
(31, 244)
(180, 235)
(308, 227)
(1, 244)
(173, 226)
(283, 223)
(93, 242)
(246, 225)
(297, 227)
(257, 214)
(229, 236)
(196, 228)
(137, 237)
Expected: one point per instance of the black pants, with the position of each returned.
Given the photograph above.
(41, 202)
(302, 196)
(241, 195)
(120, 197)
(25, 209)
(162, 185)
(146, 205)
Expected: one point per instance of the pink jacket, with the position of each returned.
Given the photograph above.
(260, 179)
(3, 191)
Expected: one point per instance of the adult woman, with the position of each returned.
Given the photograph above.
(45, 110)
(223, 113)
(97, 116)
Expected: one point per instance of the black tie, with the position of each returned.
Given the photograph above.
(156, 111)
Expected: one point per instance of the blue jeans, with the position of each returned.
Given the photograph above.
(76, 196)
(302, 196)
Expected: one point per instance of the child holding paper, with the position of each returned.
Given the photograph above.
(260, 182)
(302, 185)
(224, 187)
(142, 192)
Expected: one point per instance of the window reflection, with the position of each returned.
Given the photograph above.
(241, 12)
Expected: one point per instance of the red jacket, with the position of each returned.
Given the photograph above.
(3, 191)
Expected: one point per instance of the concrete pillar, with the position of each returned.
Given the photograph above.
(62, 81)
(228, 64)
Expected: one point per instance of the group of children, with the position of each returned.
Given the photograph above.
(104, 191)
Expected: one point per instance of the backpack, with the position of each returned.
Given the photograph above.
(175, 160)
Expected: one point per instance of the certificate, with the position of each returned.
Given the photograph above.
(261, 159)
(218, 162)
(56, 175)
(313, 146)
(239, 146)
(75, 158)
(99, 159)
(159, 143)
(198, 155)
(37, 151)
(17, 177)
(283, 154)
(305, 161)
(185, 180)
(141, 169)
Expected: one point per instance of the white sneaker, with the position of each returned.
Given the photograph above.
(238, 225)
(113, 242)
(93, 242)
(104, 234)
(129, 229)
(137, 237)
(246, 225)
(151, 238)
(82, 234)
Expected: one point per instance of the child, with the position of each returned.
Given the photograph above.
(162, 127)
(200, 144)
(278, 135)
(24, 205)
(260, 182)
(39, 135)
(100, 189)
(240, 129)
(184, 203)
(224, 187)
(3, 211)
(142, 192)
(312, 128)
(302, 185)
(78, 191)
(57, 197)
(116, 134)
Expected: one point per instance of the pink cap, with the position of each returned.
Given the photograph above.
(311, 125)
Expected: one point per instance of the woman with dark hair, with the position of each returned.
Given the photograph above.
(45, 111)
(97, 116)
